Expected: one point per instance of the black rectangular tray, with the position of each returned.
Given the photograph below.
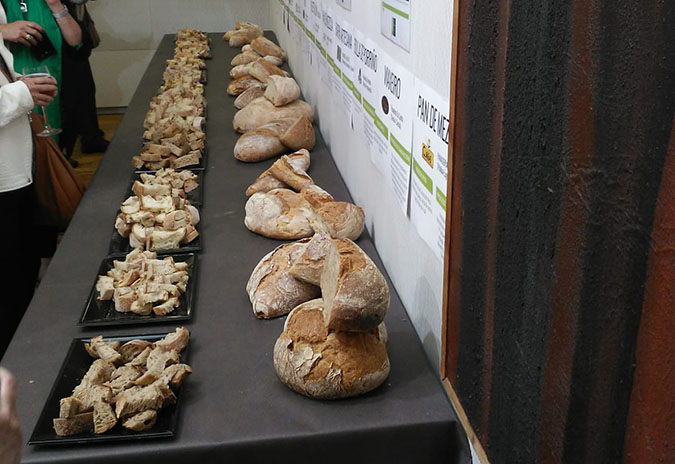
(197, 167)
(119, 246)
(74, 367)
(101, 313)
(195, 196)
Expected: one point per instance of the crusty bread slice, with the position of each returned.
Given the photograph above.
(176, 340)
(80, 423)
(133, 348)
(104, 417)
(69, 407)
(355, 292)
(138, 399)
(321, 363)
(142, 421)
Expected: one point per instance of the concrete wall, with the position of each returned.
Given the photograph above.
(131, 29)
(416, 272)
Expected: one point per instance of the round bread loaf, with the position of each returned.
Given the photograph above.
(325, 364)
(279, 213)
(273, 291)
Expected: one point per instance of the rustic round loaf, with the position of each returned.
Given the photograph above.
(273, 291)
(325, 364)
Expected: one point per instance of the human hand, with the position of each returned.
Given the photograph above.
(10, 428)
(42, 89)
(26, 33)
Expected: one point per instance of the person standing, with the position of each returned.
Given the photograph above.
(78, 92)
(27, 22)
(20, 263)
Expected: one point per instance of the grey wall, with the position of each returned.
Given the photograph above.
(416, 272)
(131, 29)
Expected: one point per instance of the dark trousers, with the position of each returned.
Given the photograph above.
(78, 102)
(19, 263)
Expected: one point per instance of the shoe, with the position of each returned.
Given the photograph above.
(73, 162)
(97, 145)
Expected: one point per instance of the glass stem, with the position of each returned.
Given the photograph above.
(44, 114)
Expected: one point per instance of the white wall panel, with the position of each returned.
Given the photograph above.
(137, 26)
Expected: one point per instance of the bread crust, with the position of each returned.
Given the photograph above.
(261, 111)
(248, 96)
(271, 289)
(279, 213)
(282, 90)
(243, 83)
(355, 292)
(299, 135)
(265, 47)
(342, 219)
(324, 364)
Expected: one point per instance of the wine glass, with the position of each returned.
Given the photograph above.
(41, 71)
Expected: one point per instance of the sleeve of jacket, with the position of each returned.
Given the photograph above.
(15, 101)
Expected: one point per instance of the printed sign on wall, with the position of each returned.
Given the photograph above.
(395, 22)
(430, 166)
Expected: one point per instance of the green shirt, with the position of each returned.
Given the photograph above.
(38, 12)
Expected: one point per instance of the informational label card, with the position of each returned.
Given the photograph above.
(397, 103)
(359, 60)
(431, 131)
(344, 59)
(365, 81)
(372, 104)
(395, 22)
(326, 43)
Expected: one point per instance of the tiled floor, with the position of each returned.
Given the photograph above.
(89, 162)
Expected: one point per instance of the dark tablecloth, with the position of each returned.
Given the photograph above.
(234, 408)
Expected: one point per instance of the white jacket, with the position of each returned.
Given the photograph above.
(16, 143)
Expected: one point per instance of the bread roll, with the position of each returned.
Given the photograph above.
(324, 364)
(279, 213)
(261, 111)
(282, 90)
(262, 70)
(308, 265)
(266, 181)
(243, 83)
(263, 47)
(283, 170)
(272, 290)
(248, 96)
(355, 292)
(244, 58)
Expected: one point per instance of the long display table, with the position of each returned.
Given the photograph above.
(233, 407)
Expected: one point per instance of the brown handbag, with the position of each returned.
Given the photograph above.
(58, 189)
